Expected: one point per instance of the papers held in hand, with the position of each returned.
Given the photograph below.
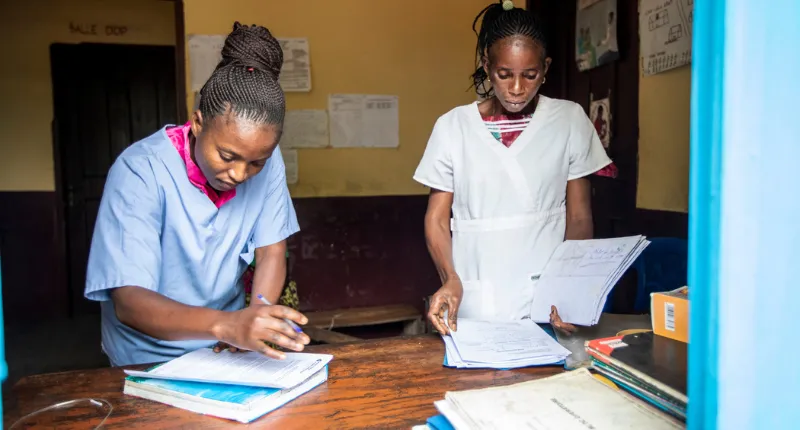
(579, 276)
(501, 345)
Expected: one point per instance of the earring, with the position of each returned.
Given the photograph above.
(544, 80)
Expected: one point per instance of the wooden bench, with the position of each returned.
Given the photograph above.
(321, 324)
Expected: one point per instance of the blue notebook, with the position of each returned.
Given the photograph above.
(233, 402)
(548, 328)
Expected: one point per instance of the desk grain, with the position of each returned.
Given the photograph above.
(385, 383)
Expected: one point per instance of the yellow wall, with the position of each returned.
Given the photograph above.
(664, 140)
(420, 50)
(27, 29)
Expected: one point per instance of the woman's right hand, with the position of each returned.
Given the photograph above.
(444, 304)
(249, 328)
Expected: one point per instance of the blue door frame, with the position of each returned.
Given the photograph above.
(744, 216)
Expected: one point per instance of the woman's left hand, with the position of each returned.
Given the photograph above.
(555, 320)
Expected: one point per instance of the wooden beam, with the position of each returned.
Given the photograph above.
(327, 336)
(357, 317)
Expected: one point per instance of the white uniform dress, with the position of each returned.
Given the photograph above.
(509, 203)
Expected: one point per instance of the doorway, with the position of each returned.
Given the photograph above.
(105, 97)
(613, 200)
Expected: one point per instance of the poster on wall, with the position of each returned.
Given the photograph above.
(305, 128)
(596, 34)
(290, 161)
(364, 121)
(205, 52)
(600, 114)
(665, 28)
(296, 70)
(204, 55)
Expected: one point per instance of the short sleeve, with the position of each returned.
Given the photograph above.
(278, 219)
(126, 244)
(586, 152)
(435, 170)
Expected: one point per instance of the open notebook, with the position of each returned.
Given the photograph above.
(240, 386)
(250, 369)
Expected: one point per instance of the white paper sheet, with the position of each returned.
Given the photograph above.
(292, 168)
(243, 368)
(364, 121)
(666, 34)
(569, 401)
(501, 345)
(205, 52)
(296, 70)
(305, 128)
(579, 276)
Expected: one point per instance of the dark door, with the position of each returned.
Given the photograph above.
(105, 98)
(613, 200)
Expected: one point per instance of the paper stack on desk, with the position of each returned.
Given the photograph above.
(501, 345)
(580, 275)
(573, 400)
(240, 386)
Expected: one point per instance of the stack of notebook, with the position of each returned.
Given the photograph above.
(579, 276)
(650, 367)
(570, 400)
(501, 345)
(239, 386)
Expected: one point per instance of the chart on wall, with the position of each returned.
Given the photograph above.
(305, 128)
(290, 161)
(665, 28)
(596, 33)
(364, 121)
(296, 70)
(205, 52)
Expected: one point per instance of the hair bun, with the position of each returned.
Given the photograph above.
(254, 47)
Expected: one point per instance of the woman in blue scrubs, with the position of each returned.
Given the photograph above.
(185, 211)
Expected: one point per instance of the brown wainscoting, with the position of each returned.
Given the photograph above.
(361, 251)
(656, 223)
(34, 275)
(351, 251)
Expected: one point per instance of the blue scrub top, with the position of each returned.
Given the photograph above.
(156, 230)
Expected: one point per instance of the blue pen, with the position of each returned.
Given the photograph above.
(288, 321)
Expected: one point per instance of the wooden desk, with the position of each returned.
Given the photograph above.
(385, 383)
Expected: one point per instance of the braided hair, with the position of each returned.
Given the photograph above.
(245, 82)
(499, 23)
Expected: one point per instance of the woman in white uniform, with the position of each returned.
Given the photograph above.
(512, 169)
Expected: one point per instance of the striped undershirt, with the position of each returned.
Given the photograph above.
(506, 128)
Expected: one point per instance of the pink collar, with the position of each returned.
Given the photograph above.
(179, 136)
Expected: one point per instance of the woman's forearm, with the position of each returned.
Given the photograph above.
(440, 246)
(579, 229)
(163, 318)
(270, 274)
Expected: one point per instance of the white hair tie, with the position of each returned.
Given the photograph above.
(508, 5)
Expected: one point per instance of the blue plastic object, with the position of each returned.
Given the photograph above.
(660, 267)
(3, 366)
